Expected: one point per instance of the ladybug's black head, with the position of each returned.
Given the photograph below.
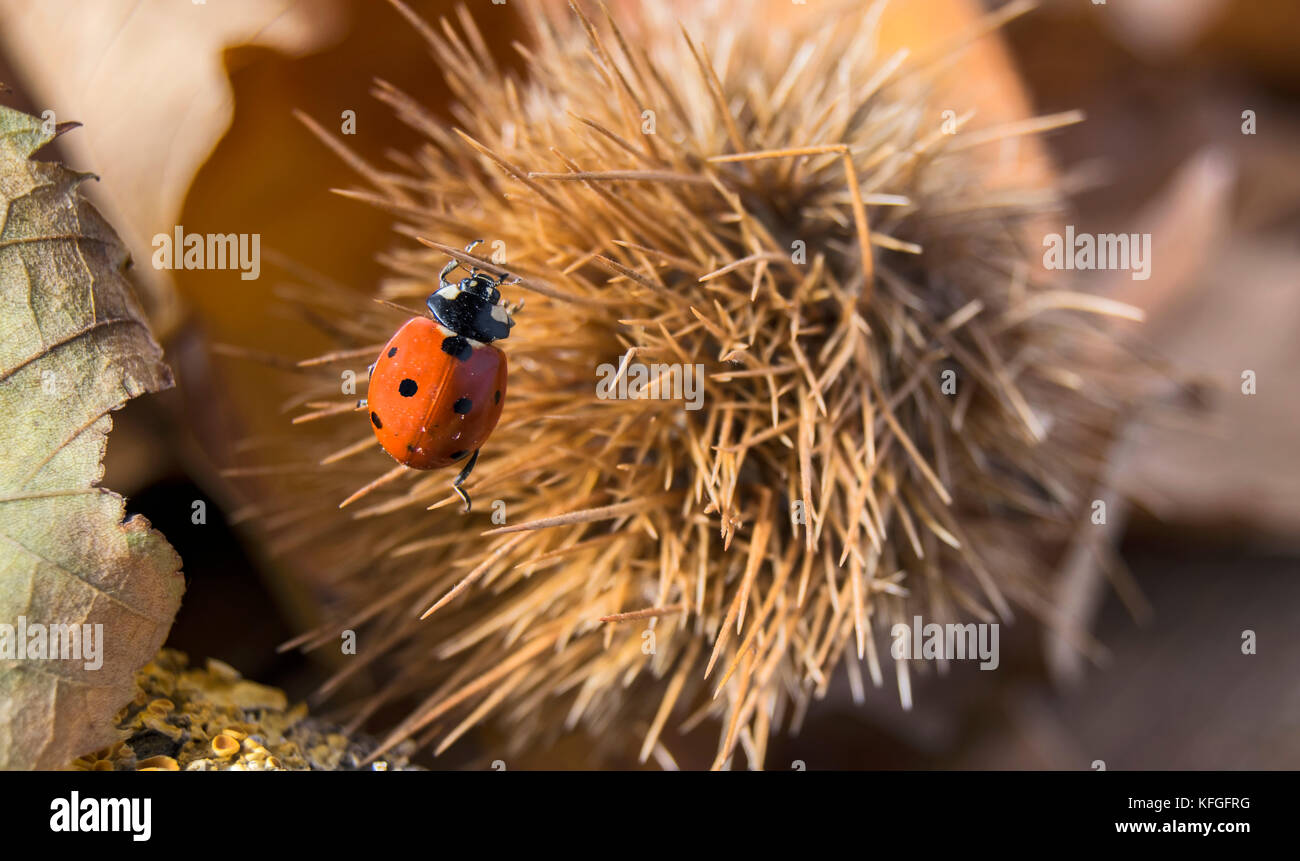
(482, 285)
(472, 309)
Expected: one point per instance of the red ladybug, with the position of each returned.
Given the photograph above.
(438, 386)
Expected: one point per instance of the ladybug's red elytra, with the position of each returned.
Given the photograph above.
(438, 386)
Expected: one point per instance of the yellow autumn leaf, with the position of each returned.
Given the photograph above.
(73, 346)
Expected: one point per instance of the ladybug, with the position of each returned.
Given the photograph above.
(437, 389)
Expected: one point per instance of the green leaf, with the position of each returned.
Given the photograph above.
(73, 346)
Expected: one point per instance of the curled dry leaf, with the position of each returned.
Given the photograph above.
(125, 66)
(75, 346)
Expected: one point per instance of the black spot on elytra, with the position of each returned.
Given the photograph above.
(374, 420)
(392, 352)
(496, 399)
(457, 455)
(463, 406)
(407, 388)
(457, 346)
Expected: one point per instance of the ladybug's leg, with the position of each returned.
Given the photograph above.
(446, 270)
(473, 270)
(453, 263)
(460, 479)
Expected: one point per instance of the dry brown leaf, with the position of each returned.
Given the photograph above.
(149, 80)
(75, 346)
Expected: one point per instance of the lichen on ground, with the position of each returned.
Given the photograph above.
(212, 719)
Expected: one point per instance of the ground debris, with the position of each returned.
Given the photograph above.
(212, 719)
